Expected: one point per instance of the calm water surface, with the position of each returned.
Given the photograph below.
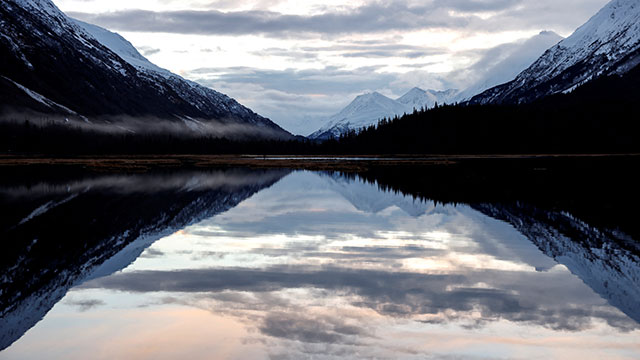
(303, 265)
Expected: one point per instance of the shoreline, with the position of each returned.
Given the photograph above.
(143, 163)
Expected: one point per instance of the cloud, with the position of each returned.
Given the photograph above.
(85, 305)
(392, 294)
(310, 329)
(366, 19)
(372, 17)
(148, 51)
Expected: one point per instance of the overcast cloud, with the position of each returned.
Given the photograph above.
(297, 63)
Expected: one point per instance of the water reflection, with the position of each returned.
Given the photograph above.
(58, 234)
(322, 266)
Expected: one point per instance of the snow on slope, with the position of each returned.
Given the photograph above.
(120, 46)
(123, 48)
(367, 109)
(518, 60)
(417, 98)
(594, 255)
(609, 43)
(613, 32)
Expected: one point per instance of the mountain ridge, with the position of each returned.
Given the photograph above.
(607, 44)
(62, 62)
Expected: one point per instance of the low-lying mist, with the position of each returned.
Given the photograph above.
(181, 126)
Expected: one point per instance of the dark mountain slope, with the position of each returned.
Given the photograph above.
(53, 60)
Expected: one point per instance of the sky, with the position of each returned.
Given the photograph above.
(297, 62)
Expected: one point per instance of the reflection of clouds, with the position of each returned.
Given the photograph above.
(152, 253)
(86, 304)
(304, 271)
(387, 254)
(311, 329)
(552, 300)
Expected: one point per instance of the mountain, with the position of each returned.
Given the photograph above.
(517, 60)
(55, 65)
(417, 98)
(605, 260)
(367, 109)
(608, 44)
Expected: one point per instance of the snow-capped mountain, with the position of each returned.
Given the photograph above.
(365, 110)
(57, 65)
(368, 108)
(515, 61)
(609, 43)
(417, 98)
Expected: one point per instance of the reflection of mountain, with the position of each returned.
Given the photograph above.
(607, 261)
(368, 198)
(485, 271)
(60, 235)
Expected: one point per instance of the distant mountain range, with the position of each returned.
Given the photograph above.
(608, 44)
(546, 64)
(367, 109)
(54, 65)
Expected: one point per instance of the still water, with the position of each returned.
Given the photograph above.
(304, 265)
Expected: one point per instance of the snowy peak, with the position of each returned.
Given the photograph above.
(612, 33)
(39, 6)
(609, 43)
(368, 102)
(619, 17)
(417, 98)
(119, 45)
(364, 110)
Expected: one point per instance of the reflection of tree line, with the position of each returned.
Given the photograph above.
(580, 212)
(600, 191)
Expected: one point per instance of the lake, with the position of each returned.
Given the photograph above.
(239, 263)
